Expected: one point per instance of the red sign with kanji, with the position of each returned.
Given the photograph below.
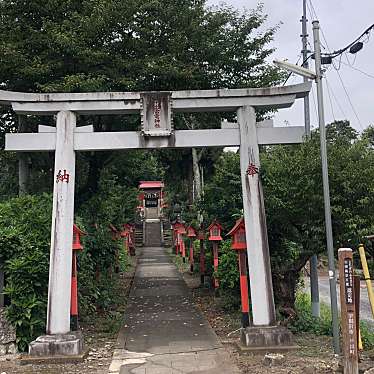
(252, 169)
(62, 177)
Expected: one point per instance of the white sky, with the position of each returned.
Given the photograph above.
(341, 21)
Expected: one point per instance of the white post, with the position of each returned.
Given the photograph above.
(255, 222)
(58, 315)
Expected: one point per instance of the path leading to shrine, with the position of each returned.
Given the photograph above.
(164, 332)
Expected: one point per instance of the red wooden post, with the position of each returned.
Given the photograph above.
(177, 229)
(183, 249)
(191, 256)
(125, 235)
(201, 237)
(215, 263)
(174, 236)
(244, 287)
(180, 231)
(77, 246)
(74, 294)
(176, 242)
(191, 233)
(215, 236)
(239, 244)
(131, 238)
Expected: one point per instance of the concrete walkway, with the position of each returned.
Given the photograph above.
(164, 333)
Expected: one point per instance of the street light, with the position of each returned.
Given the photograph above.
(299, 70)
(317, 76)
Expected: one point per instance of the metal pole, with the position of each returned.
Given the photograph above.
(313, 262)
(314, 287)
(304, 38)
(326, 189)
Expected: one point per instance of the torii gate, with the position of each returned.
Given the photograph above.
(156, 109)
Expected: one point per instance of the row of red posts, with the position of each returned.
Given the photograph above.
(127, 233)
(238, 244)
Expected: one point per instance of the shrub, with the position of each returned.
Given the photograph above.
(304, 321)
(228, 275)
(25, 224)
(24, 249)
(367, 335)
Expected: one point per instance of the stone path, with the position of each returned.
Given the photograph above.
(164, 333)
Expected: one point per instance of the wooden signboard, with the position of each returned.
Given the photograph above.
(156, 113)
(348, 311)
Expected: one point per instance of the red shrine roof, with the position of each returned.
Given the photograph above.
(215, 223)
(238, 223)
(151, 184)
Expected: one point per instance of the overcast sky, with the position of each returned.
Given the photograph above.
(341, 22)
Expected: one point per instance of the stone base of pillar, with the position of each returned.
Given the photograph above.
(59, 345)
(267, 339)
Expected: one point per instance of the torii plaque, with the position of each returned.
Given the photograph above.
(157, 132)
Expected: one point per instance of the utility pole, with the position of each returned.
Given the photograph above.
(326, 189)
(313, 261)
(304, 38)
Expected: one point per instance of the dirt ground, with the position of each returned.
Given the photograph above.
(100, 347)
(315, 354)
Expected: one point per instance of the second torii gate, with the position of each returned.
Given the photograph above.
(156, 110)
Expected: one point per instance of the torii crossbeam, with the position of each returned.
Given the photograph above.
(156, 110)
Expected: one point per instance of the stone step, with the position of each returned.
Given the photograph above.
(153, 234)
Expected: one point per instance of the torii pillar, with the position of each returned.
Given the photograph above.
(60, 341)
(264, 335)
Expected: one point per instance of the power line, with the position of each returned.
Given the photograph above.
(359, 70)
(366, 33)
(311, 8)
(290, 74)
(349, 99)
(342, 50)
(329, 95)
(336, 100)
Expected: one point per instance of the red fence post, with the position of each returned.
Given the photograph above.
(77, 246)
(74, 294)
(191, 233)
(244, 287)
(183, 248)
(238, 243)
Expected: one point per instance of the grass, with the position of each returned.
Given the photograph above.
(305, 322)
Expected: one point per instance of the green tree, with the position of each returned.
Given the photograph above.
(109, 45)
(292, 183)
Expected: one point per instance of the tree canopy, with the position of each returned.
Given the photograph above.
(92, 45)
(112, 45)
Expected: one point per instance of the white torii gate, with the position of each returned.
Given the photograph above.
(156, 109)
